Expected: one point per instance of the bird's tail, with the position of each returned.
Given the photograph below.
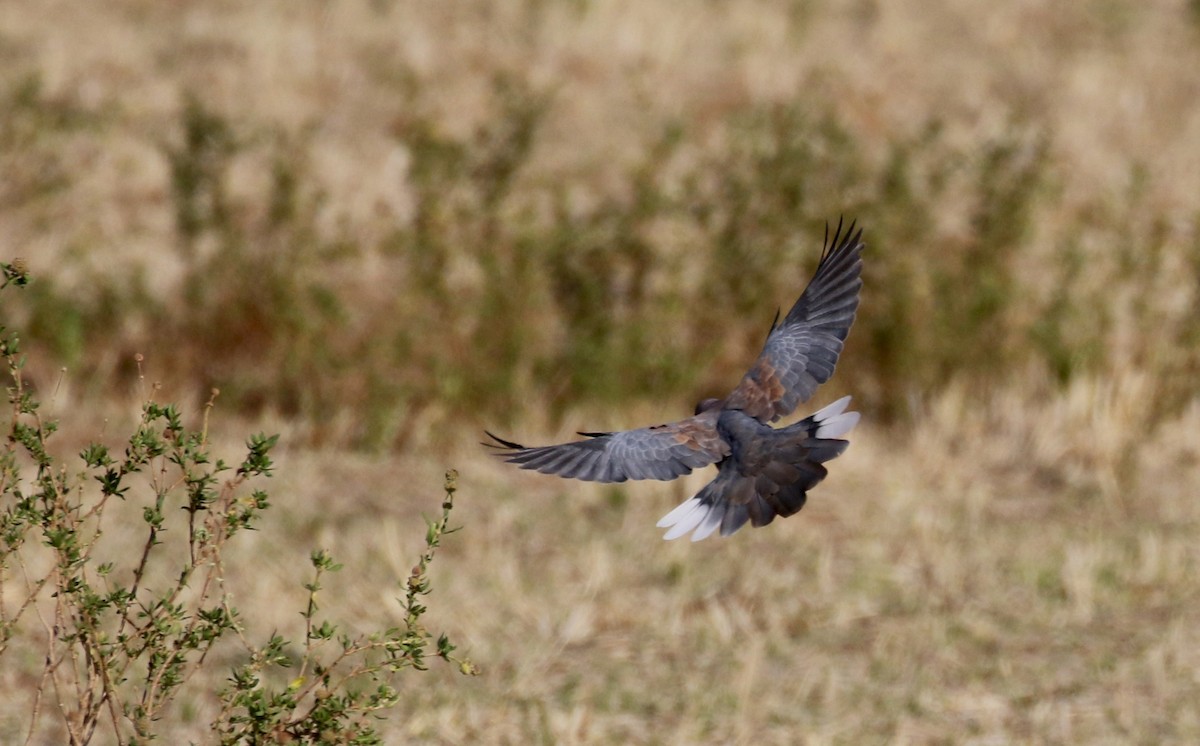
(832, 421)
(796, 465)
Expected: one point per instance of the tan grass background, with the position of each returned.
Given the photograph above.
(1005, 556)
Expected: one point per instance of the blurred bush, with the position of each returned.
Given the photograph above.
(505, 292)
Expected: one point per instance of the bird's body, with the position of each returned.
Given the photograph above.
(761, 471)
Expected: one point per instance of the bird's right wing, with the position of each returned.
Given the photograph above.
(657, 452)
(801, 352)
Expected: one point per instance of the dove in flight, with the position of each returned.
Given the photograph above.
(762, 471)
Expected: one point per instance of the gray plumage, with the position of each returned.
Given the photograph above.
(762, 471)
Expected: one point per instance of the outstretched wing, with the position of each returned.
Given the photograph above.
(658, 452)
(800, 353)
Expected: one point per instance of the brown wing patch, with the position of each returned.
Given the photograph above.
(699, 434)
(759, 391)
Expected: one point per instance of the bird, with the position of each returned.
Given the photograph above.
(762, 471)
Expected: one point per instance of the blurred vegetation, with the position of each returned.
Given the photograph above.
(502, 288)
(385, 224)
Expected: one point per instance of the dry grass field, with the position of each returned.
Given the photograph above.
(378, 227)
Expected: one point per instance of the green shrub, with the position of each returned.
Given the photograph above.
(124, 628)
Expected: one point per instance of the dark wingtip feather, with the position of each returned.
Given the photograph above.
(592, 435)
(831, 246)
(845, 242)
(501, 442)
(849, 238)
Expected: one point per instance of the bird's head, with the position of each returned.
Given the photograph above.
(708, 404)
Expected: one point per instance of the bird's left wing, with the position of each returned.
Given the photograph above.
(801, 352)
(657, 452)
